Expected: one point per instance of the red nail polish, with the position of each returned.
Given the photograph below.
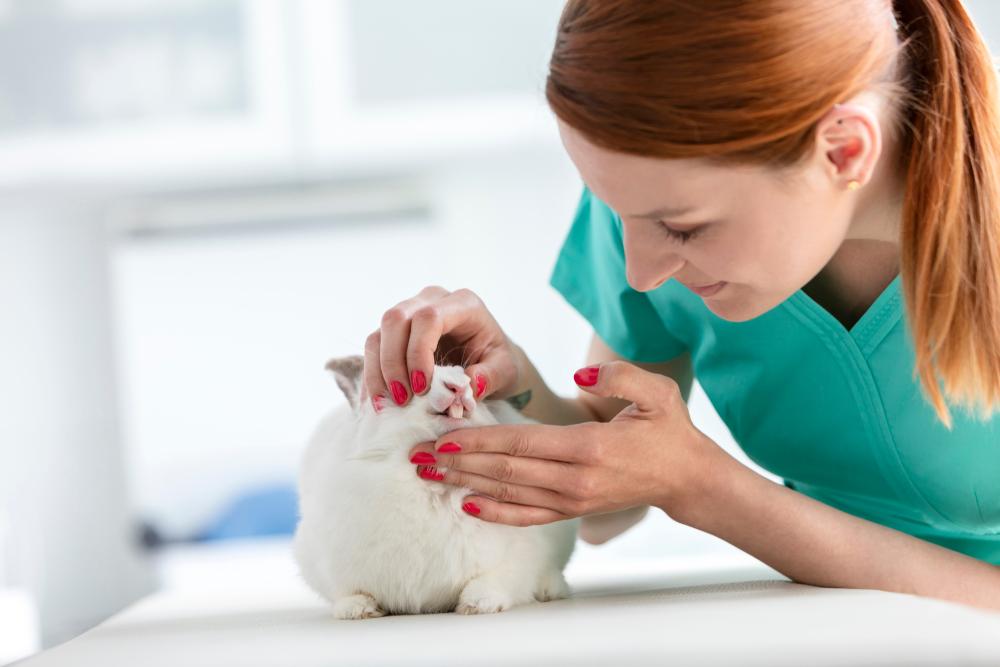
(398, 392)
(418, 381)
(586, 377)
(471, 508)
(449, 447)
(480, 384)
(377, 402)
(423, 457)
(430, 472)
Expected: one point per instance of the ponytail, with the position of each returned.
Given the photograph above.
(950, 233)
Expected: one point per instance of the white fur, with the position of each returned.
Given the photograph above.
(374, 538)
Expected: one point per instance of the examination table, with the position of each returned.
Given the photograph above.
(720, 609)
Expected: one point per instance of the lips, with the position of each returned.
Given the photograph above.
(458, 407)
(707, 290)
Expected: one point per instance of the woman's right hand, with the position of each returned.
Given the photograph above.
(400, 354)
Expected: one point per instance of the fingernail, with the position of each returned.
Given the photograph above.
(418, 381)
(586, 377)
(398, 392)
(423, 457)
(480, 384)
(449, 447)
(377, 402)
(431, 473)
(471, 508)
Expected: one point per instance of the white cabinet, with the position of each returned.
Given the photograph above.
(133, 91)
(192, 92)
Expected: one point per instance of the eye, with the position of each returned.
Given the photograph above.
(678, 235)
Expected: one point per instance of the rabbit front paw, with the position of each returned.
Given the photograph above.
(353, 607)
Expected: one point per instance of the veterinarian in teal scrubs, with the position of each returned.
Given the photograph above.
(795, 202)
(831, 409)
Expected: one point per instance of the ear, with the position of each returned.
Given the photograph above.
(849, 138)
(348, 372)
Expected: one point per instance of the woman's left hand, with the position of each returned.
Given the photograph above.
(527, 474)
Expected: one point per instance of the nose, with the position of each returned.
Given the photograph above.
(461, 402)
(647, 263)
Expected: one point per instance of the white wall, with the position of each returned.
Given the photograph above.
(223, 336)
(60, 452)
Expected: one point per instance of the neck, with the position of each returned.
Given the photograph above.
(879, 210)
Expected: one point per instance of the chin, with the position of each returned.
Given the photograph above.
(740, 310)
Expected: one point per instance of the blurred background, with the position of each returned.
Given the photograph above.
(201, 201)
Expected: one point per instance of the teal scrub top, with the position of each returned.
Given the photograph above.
(833, 411)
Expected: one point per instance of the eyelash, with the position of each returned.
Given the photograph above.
(680, 237)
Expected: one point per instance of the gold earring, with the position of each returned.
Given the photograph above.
(853, 184)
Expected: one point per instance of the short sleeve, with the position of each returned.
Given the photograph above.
(590, 274)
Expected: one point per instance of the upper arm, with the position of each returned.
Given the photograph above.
(678, 368)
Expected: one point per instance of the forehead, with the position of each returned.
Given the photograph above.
(635, 184)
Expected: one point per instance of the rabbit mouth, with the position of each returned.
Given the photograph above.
(454, 411)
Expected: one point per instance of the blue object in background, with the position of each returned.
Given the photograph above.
(271, 510)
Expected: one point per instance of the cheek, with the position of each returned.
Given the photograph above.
(764, 266)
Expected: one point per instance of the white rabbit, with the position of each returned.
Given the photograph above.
(373, 538)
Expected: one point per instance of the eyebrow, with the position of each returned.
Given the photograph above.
(665, 212)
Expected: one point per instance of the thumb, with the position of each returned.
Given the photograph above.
(649, 391)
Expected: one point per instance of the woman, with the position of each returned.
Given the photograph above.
(820, 181)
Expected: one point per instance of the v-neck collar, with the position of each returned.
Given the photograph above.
(873, 324)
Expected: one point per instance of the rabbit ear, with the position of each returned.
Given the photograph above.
(348, 372)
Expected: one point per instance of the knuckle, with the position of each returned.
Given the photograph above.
(373, 341)
(594, 449)
(466, 293)
(584, 487)
(505, 493)
(670, 386)
(670, 391)
(428, 314)
(501, 469)
(393, 316)
(518, 444)
(577, 507)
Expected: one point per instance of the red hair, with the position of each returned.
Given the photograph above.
(743, 81)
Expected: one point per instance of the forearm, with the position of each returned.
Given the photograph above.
(545, 405)
(813, 543)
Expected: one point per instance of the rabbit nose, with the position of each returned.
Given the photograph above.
(457, 389)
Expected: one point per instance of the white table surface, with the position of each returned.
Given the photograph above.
(715, 609)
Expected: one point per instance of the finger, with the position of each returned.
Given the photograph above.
(510, 513)
(405, 361)
(555, 476)
(430, 321)
(540, 441)
(649, 391)
(501, 491)
(426, 328)
(464, 315)
(494, 370)
(423, 453)
(373, 373)
(392, 352)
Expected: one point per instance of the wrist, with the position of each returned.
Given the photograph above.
(522, 370)
(708, 491)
